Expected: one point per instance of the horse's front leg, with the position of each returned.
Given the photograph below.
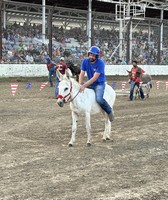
(107, 131)
(74, 128)
(88, 128)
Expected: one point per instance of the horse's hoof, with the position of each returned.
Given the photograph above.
(104, 140)
(70, 145)
(107, 138)
(88, 144)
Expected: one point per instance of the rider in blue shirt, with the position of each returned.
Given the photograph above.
(95, 70)
(90, 68)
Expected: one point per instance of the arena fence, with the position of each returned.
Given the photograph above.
(40, 70)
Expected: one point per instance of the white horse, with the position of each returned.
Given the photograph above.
(83, 102)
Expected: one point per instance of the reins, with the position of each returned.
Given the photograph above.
(73, 97)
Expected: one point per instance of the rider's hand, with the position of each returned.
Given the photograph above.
(82, 87)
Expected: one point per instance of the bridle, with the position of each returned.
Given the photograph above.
(67, 98)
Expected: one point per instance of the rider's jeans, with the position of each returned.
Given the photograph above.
(99, 91)
(132, 86)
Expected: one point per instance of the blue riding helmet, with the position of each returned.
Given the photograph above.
(48, 59)
(94, 50)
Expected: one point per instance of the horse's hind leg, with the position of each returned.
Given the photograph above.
(74, 128)
(88, 128)
(148, 90)
(147, 94)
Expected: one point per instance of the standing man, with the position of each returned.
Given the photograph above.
(135, 79)
(95, 70)
(61, 66)
(51, 69)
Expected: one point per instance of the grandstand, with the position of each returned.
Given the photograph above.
(136, 25)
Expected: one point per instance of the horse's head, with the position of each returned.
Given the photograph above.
(129, 76)
(129, 73)
(65, 87)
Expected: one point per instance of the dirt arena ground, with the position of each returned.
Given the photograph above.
(36, 162)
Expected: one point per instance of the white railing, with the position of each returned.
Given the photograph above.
(39, 70)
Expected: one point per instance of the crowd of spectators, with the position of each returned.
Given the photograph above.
(23, 44)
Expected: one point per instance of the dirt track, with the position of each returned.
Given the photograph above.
(36, 162)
